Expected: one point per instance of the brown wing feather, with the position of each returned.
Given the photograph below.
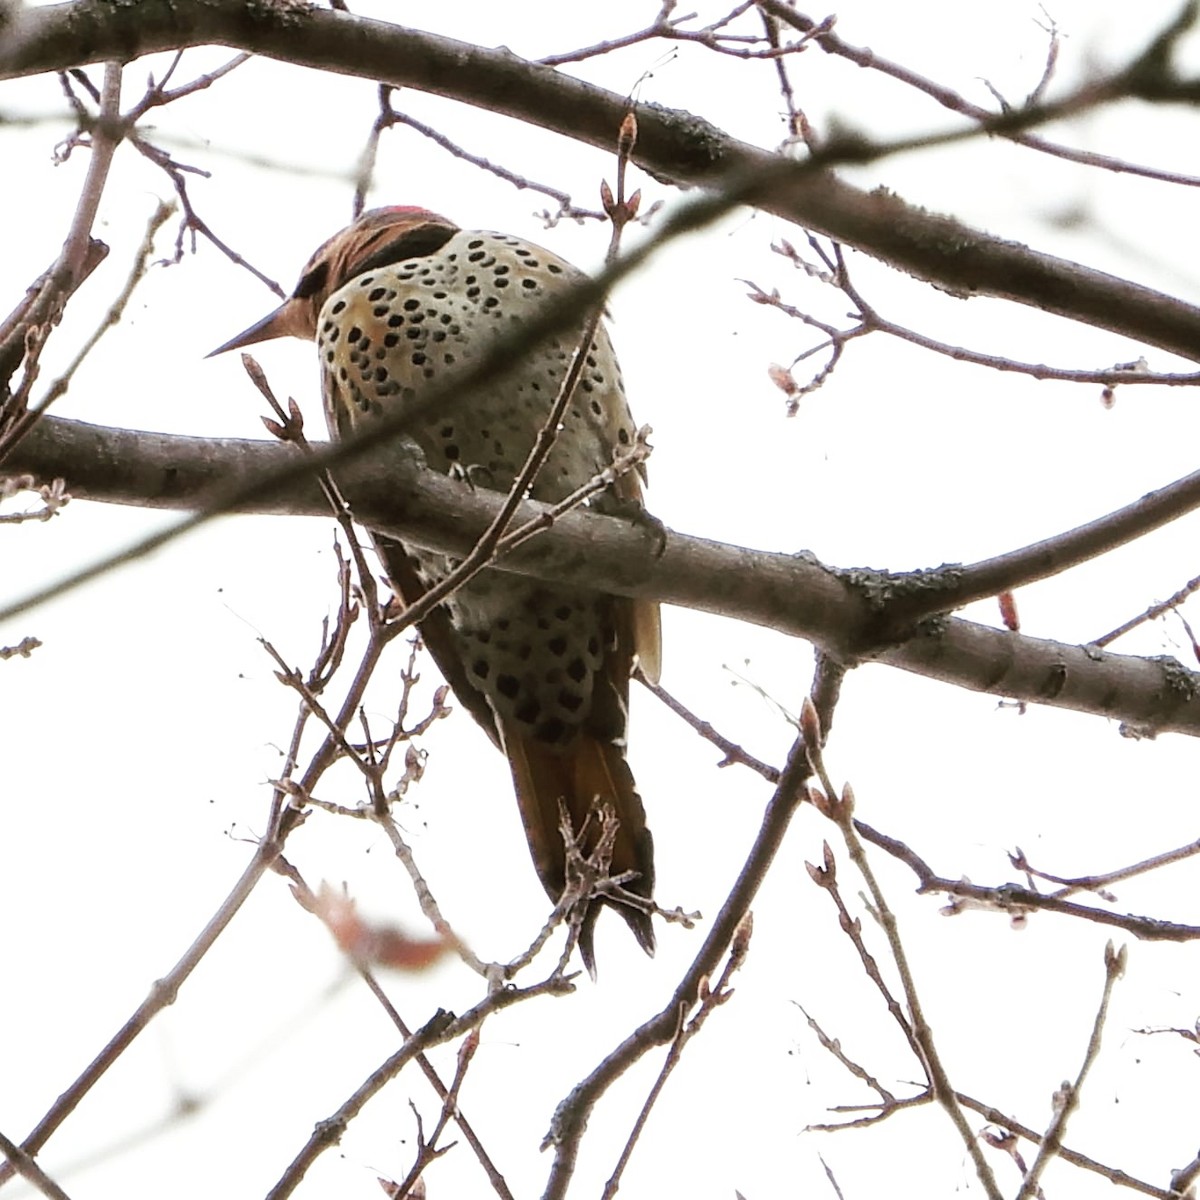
(435, 629)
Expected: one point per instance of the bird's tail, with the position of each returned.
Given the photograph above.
(588, 769)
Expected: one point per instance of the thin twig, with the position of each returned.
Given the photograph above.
(840, 810)
(1018, 901)
(390, 117)
(1067, 1099)
(710, 999)
(29, 1170)
(822, 33)
(441, 1028)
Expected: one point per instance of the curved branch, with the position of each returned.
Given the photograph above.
(671, 143)
(792, 593)
(953, 587)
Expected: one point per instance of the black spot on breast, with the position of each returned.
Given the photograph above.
(577, 670)
(528, 711)
(551, 730)
(480, 666)
(507, 685)
(571, 701)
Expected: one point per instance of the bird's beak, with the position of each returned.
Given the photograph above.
(287, 320)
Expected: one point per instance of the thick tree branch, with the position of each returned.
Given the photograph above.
(792, 593)
(672, 143)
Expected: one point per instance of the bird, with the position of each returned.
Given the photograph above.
(397, 302)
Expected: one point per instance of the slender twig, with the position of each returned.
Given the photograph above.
(1094, 883)
(448, 1096)
(428, 1150)
(429, 905)
(833, 1046)
(77, 258)
(732, 751)
(161, 995)
(441, 1028)
(822, 33)
(1067, 1099)
(111, 318)
(389, 117)
(1152, 613)
(29, 1170)
(840, 810)
(870, 320)
(710, 999)
(1112, 1174)
(1018, 901)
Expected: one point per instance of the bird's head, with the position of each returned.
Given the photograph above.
(379, 237)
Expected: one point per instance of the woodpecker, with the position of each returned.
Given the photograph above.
(398, 302)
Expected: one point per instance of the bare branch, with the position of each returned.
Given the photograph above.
(673, 144)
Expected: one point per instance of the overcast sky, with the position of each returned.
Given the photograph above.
(140, 738)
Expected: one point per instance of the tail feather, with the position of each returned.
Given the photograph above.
(590, 767)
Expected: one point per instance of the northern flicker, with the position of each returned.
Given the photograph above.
(397, 302)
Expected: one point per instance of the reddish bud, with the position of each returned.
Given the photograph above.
(1008, 611)
(810, 723)
(628, 134)
(606, 197)
(781, 377)
(742, 935)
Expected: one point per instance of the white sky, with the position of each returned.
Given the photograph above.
(138, 740)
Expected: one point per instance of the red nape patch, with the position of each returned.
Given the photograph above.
(402, 208)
